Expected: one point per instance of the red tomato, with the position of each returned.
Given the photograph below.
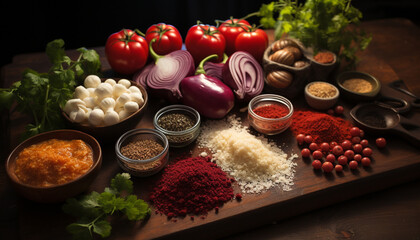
(254, 41)
(168, 38)
(126, 51)
(204, 40)
(231, 29)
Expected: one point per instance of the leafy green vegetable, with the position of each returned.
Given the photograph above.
(94, 208)
(42, 95)
(320, 24)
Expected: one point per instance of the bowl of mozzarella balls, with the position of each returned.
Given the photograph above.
(106, 108)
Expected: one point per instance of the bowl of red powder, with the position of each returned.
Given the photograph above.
(270, 114)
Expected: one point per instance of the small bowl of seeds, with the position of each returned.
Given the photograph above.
(358, 86)
(179, 123)
(142, 152)
(321, 95)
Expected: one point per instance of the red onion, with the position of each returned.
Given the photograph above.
(141, 76)
(244, 75)
(215, 69)
(169, 70)
(208, 95)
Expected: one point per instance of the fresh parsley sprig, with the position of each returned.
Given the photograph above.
(94, 208)
(41, 95)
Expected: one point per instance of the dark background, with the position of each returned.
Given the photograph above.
(28, 27)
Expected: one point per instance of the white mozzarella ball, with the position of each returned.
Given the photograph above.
(123, 114)
(121, 100)
(134, 89)
(125, 82)
(90, 102)
(111, 81)
(104, 90)
(138, 98)
(96, 117)
(111, 117)
(91, 92)
(131, 106)
(92, 81)
(107, 103)
(118, 89)
(78, 115)
(72, 105)
(80, 92)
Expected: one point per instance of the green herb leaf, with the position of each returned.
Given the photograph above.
(103, 228)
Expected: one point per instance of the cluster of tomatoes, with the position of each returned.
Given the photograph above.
(127, 51)
(335, 156)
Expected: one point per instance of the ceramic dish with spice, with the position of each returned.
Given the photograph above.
(142, 152)
(358, 86)
(179, 123)
(321, 95)
(270, 114)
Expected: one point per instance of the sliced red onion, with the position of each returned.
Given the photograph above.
(244, 75)
(141, 76)
(215, 69)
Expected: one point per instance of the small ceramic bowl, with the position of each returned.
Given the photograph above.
(357, 96)
(112, 132)
(55, 193)
(265, 125)
(146, 167)
(179, 138)
(317, 100)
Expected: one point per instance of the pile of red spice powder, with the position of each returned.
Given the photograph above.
(321, 126)
(192, 185)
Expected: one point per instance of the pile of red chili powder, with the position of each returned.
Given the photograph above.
(321, 126)
(192, 185)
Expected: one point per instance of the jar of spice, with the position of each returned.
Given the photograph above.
(179, 123)
(142, 152)
(270, 114)
(321, 95)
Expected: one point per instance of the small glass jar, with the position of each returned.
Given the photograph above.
(180, 138)
(146, 167)
(265, 125)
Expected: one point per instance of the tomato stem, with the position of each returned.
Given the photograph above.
(152, 52)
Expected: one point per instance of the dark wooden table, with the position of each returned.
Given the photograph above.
(388, 210)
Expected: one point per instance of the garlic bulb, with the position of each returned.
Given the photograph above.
(125, 82)
(80, 92)
(138, 98)
(92, 81)
(73, 104)
(103, 90)
(78, 115)
(123, 114)
(96, 117)
(131, 106)
(134, 89)
(111, 117)
(118, 89)
(121, 100)
(107, 103)
(90, 102)
(111, 81)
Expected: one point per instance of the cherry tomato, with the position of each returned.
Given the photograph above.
(338, 168)
(355, 132)
(204, 40)
(325, 147)
(346, 144)
(327, 167)
(300, 139)
(362, 133)
(308, 139)
(342, 160)
(339, 110)
(168, 38)
(330, 158)
(355, 140)
(313, 146)
(126, 51)
(230, 29)
(317, 155)
(353, 164)
(357, 157)
(349, 154)
(254, 41)
(380, 142)
(364, 143)
(367, 152)
(357, 148)
(306, 153)
(333, 144)
(337, 150)
(316, 164)
(366, 162)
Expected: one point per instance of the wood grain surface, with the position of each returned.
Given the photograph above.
(343, 201)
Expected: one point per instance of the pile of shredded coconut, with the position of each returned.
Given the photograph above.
(255, 163)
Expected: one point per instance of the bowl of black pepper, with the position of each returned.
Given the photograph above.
(179, 123)
(142, 152)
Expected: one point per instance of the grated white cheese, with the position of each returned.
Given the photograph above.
(255, 163)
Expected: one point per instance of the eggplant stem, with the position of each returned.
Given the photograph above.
(200, 68)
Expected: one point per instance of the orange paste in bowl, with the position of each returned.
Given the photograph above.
(53, 162)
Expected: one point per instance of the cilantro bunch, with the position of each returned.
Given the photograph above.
(93, 209)
(320, 24)
(42, 95)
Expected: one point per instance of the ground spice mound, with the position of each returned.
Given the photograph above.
(191, 186)
(321, 126)
(256, 164)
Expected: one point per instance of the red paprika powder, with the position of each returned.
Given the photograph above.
(271, 111)
(321, 126)
(192, 185)
(324, 57)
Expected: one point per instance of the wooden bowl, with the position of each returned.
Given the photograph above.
(56, 193)
(112, 132)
